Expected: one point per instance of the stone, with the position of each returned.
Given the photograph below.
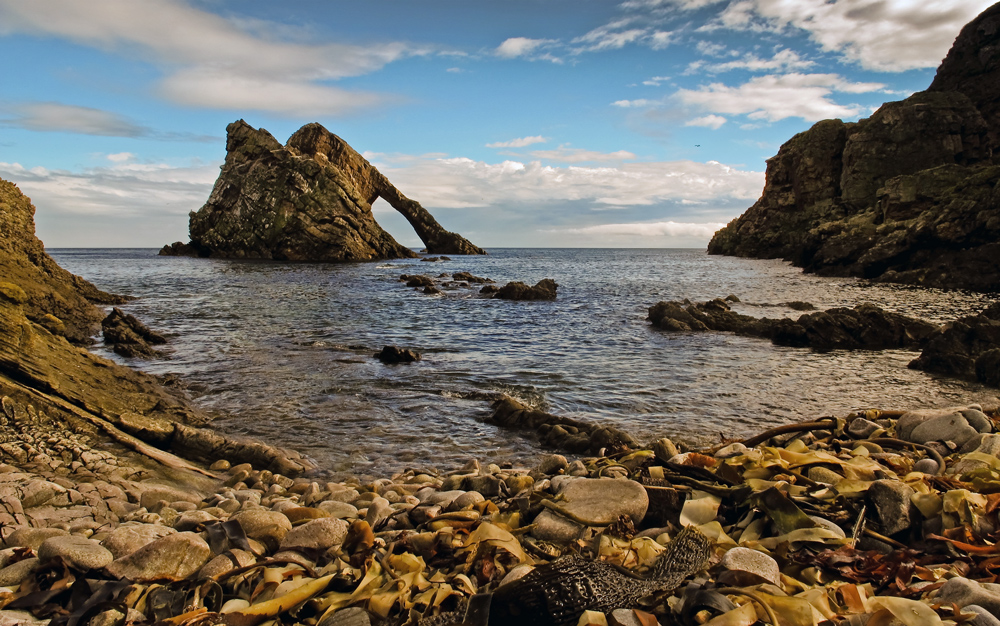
(350, 616)
(191, 520)
(337, 509)
(467, 499)
(599, 501)
(894, 509)
(161, 493)
(20, 618)
(309, 200)
(549, 526)
(175, 556)
(32, 537)
(544, 289)
(224, 563)
(268, 527)
(964, 592)
(552, 464)
(392, 354)
(952, 427)
(14, 574)
(926, 466)
(127, 336)
(83, 554)
(378, 511)
(746, 567)
(824, 475)
(983, 617)
(319, 534)
(862, 428)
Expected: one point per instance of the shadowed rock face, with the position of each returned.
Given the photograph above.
(908, 195)
(309, 200)
(51, 291)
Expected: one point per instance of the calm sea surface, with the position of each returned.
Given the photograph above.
(283, 352)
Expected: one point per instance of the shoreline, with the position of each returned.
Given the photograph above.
(781, 515)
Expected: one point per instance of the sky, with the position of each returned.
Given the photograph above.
(569, 123)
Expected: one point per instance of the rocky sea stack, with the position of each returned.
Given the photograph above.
(309, 200)
(908, 195)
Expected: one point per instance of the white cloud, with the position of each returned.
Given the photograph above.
(655, 81)
(776, 97)
(709, 121)
(711, 49)
(194, 47)
(687, 5)
(634, 104)
(783, 60)
(460, 183)
(882, 35)
(515, 47)
(56, 117)
(454, 70)
(652, 229)
(564, 154)
(518, 143)
(120, 157)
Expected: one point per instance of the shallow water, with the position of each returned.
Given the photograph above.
(284, 351)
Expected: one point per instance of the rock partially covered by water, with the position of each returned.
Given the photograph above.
(393, 354)
(544, 289)
(909, 195)
(865, 327)
(128, 336)
(59, 301)
(309, 200)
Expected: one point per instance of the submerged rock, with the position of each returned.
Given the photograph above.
(392, 354)
(309, 200)
(128, 336)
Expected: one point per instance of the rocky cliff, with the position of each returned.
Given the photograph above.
(58, 300)
(309, 200)
(908, 195)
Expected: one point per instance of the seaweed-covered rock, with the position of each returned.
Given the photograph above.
(968, 347)
(309, 200)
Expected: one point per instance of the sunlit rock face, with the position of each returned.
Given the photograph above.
(908, 195)
(309, 200)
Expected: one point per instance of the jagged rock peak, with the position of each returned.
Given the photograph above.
(309, 200)
(910, 195)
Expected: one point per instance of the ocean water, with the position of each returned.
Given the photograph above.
(283, 352)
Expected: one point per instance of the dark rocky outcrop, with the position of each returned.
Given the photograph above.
(309, 200)
(967, 348)
(128, 336)
(60, 301)
(544, 289)
(865, 327)
(393, 354)
(908, 195)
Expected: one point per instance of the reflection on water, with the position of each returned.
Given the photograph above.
(283, 351)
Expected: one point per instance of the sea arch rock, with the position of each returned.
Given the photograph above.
(309, 200)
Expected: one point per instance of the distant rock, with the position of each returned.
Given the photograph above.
(545, 289)
(309, 200)
(908, 195)
(865, 327)
(59, 301)
(128, 336)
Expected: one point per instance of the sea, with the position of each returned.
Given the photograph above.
(283, 352)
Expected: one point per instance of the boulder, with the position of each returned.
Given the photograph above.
(309, 200)
(82, 553)
(131, 536)
(964, 592)
(267, 527)
(968, 348)
(128, 336)
(175, 556)
(893, 508)
(392, 354)
(908, 195)
(319, 534)
(745, 567)
(544, 289)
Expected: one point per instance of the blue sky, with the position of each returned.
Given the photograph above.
(517, 123)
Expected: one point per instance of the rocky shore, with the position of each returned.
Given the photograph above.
(860, 519)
